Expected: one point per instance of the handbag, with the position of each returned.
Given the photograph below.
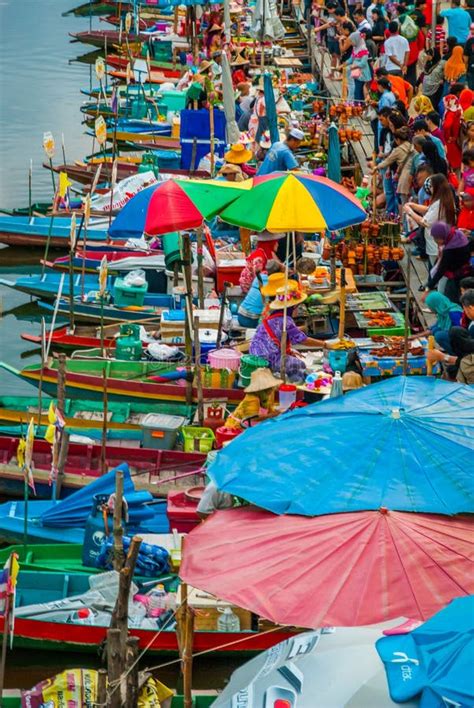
(356, 73)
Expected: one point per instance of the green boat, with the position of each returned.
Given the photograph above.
(49, 558)
(176, 701)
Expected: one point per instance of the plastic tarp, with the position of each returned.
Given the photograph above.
(334, 154)
(330, 668)
(343, 569)
(405, 444)
(435, 660)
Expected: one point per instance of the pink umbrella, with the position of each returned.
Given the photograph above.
(350, 569)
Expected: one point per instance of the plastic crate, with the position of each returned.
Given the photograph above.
(126, 295)
(198, 439)
(160, 431)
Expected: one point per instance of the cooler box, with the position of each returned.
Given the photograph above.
(168, 160)
(172, 326)
(175, 100)
(126, 295)
(229, 268)
(181, 512)
(195, 130)
(160, 430)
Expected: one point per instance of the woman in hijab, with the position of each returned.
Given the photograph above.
(466, 99)
(433, 158)
(359, 65)
(433, 77)
(448, 315)
(422, 105)
(455, 68)
(452, 121)
(453, 262)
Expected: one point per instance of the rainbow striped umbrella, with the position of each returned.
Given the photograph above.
(294, 201)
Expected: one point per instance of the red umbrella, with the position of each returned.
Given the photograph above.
(357, 568)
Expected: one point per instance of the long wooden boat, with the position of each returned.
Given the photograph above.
(126, 381)
(90, 261)
(85, 172)
(109, 38)
(46, 286)
(155, 471)
(86, 414)
(35, 231)
(167, 68)
(83, 337)
(177, 701)
(92, 312)
(155, 76)
(97, 7)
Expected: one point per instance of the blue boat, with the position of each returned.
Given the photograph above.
(65, 521)
(47, 285)
(92, 311)
(35, 231)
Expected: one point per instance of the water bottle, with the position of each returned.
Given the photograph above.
(336, 388)
(82, 616)
(157, 601)
(228, 621)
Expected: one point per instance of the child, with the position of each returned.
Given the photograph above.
(467, 178)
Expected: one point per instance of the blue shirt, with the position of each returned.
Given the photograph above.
(386, 100)
(252, 304)
(278, 159)
(459, 21)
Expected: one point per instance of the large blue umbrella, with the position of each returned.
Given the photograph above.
(405, 443)
(435, 660)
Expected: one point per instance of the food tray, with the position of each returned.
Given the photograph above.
(368, 301)
(362, 322)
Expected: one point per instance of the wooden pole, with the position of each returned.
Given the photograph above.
(189, 311)
(221, 314)
(43, 364)
(211, 138)
(284, 334)
(118, 528)
(30, 189)
(429, 364)
(61, 382)
(102, 687)
(131, 654)
(342, 304)
(114, 667)
(407, 316)
(200, 274)
(103, 449)
(197, 359)
(332, 261)
(63, 450)
(187, 647)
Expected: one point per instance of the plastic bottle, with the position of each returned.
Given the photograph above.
(157, 601)
(228, 621)
(336, 388)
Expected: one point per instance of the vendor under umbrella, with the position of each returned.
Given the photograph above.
(267, 339)
(259, 401)
(240, 155)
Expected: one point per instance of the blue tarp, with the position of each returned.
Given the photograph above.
(404, 443)
(435, 660)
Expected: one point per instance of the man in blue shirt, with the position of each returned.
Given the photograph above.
(420, 127)
(280, 157)
(459, 21)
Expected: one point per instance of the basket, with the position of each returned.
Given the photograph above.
(224, 435)
(225, 358)
(197, 439)
(217, 378)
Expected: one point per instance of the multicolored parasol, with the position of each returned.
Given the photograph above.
(294, 201)
(174, 205)
(348, 569)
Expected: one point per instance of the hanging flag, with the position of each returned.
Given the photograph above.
(8, 580)
(64, 184)
(128, 73)
(128, 22)
(48, 144)
(28, 465)
(100, 68)
(87, 210)
(100, 128)
(53, 435)
(49, 434)
(113, 176)
(103, 272)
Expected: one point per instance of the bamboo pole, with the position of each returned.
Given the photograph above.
(30, 189)
(342, 305)
(197, 359)
(221, 314)
(200, 274)
(63, 450)
(103, 447)
(186, 645)
(189, 311)
(211, 138)
(407, 316)
(284, 334)
(61, 388)
(429, 364)
(118, 529)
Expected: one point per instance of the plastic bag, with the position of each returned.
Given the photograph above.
(137, 278)
(409, 29)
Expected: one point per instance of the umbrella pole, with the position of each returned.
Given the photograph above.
(197, 359)
(285, 315)
(200, 274)
(407, 314)
(189, 312)
(342, 305)
(211, 137)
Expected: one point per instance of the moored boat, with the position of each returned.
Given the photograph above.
(38, 230)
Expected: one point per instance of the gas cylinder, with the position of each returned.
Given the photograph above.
(129, 346)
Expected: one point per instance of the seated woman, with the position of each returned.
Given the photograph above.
(263, 285)
(453, 263)
(267, 338)
(448, 314)
(259, 400)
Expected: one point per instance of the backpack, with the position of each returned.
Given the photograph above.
(409, 29)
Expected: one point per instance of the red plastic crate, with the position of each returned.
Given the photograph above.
(181, 512)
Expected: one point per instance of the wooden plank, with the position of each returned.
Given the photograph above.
(418, 277)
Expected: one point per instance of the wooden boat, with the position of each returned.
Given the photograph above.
(168, 68)
(126, 381)
(46, 286)
(155, 76)
(109, 38)
(48, 557)
(39, 633)
(83, 337)
(97, 7)
(91, 312)
(10, 700)
(81, 415)
(33, 210)
(85, 172)
(34, 231)
(117, 261)
(155, 471)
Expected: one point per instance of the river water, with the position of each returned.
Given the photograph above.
(39, 92)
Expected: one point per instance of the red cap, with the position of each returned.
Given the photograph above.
(287, 387)
(83, 612)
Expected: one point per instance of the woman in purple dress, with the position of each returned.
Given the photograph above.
(267, 338)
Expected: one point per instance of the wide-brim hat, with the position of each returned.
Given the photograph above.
(261, 380)
(204, 66)
(265, 235)
(351, 381)
(215, 28)
(230, 169)
(265, 141)
(274, 282)
(240, 61)
(238, 154)
(289, 295)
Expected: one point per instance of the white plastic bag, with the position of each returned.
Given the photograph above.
(137, 278)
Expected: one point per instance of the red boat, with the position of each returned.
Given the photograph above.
(119, 62)
(66, 637)
(156, 471)
(102, 38)
(85, 172)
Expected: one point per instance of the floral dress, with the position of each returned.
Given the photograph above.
(268, 345)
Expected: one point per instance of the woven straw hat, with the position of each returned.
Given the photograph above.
(261, 380)
(294, 296)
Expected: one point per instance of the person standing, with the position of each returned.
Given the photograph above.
(280, 157)
(459, 21)
(397, 51)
